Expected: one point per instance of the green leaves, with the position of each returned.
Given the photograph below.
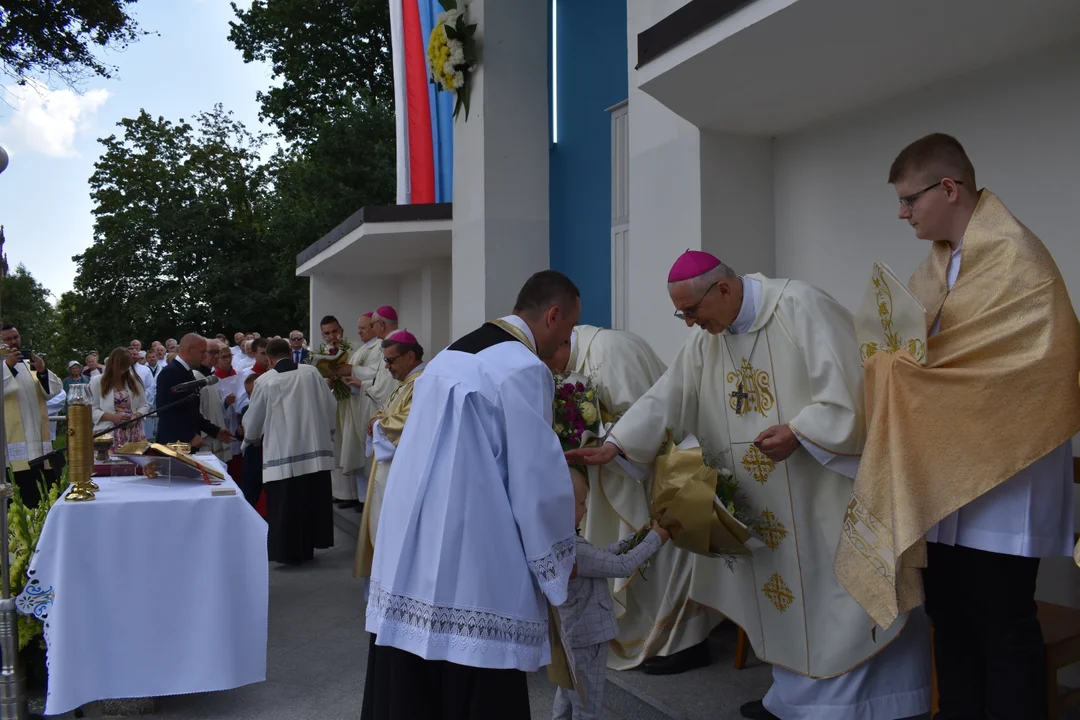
(59, 39)
(326, 56)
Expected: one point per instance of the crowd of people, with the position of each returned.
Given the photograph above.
(487, 547)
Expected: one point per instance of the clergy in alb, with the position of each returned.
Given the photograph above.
(660, 625)
(973, 450)
(293, 412)
(370, 384)
(404, 358)
(28, 385)
(343, 486)
(770, 385)
(476, 534)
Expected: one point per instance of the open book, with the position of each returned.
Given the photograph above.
(890, 318)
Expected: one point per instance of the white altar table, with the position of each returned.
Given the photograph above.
(150, 590)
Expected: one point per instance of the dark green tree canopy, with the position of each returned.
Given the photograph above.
(58, 38)
(328, 54)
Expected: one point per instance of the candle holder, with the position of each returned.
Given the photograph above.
(80, 444)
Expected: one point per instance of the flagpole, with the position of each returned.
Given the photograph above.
(12, 687)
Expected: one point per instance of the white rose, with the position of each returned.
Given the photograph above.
(589, 414)
(725, 473)
(459, 80)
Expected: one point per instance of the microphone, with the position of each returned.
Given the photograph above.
(195, 384)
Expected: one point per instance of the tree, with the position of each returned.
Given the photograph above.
(329, 55)
(59, 39)
(24, 302)
(176, 239)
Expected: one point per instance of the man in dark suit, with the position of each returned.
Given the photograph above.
(298, 353)
(185, 423)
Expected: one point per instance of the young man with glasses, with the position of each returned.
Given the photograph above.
(980, 436)
(770, 385)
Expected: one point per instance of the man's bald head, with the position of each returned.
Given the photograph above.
(192, 347)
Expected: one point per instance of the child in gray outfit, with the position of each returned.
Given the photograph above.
(588, 617)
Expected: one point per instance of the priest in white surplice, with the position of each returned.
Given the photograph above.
(211, 404)
(660, 625)
(371, 384)
(293, 412)
(770, 384)
(476, 534)
(28, 385)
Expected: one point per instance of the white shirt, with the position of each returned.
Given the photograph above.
(1030, 514)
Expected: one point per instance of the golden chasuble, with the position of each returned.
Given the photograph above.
(998, 392)
(391, 419)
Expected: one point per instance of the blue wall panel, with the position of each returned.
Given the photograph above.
(592, 76)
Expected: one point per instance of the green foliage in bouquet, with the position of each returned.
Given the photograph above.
(24, 530)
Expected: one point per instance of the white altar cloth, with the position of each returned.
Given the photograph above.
(150, 590)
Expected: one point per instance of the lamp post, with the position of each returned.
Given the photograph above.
(12, 688)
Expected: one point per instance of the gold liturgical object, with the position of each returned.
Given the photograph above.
(80, 444)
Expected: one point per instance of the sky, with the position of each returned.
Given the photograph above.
(51, 134)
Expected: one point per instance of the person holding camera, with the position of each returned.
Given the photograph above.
(28, 385)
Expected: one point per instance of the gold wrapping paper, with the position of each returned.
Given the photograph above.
(683, 502)
(998, 392)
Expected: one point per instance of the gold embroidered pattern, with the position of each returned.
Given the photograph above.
(778, 592)
(893, 341)
(759, 466)
(756, 386)
(771, 530)
(858, 519)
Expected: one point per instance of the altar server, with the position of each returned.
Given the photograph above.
(476, 534)
(972, 451)
(770, 384)
(293, 412)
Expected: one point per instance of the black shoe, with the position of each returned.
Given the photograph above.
(689, 659)
(348, 504)
(756, 711)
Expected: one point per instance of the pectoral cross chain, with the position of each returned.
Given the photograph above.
(739, 396)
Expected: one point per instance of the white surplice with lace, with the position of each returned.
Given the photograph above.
(476, 533)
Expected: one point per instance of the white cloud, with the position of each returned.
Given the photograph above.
(47, 121)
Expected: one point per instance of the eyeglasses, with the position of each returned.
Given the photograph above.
(909, 201)
(390, 360)
(691, 312)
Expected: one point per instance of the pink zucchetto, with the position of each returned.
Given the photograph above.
(387, 313)
(402, 336)
(691, 264)
(368, 315)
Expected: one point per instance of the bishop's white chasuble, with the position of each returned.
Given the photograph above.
(654, 613)
(797, 364)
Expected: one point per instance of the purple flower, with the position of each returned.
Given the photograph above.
(581, 387)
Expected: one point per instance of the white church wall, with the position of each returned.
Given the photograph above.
(835, 214)
(737, 212)
(347, 298)
(424, 306)
(410, 304)
(665, 196)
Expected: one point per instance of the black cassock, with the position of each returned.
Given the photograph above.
(300, 513)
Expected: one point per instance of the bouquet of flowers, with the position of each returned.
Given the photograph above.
(451, 54)
(577, 412)
(731, 497)
(329, 357)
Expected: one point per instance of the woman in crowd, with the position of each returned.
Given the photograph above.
(118, 395)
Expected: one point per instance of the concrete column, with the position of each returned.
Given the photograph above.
(436, 293)
(501, 163)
